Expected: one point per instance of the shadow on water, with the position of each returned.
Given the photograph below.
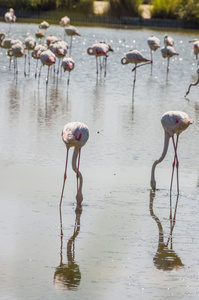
(67, 276)
(165, 259)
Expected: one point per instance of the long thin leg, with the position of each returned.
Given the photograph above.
(96, 65)
(151, 62)
(167, 69)
(105, 66)
(78, 167)
(64, 177)
(134, 82)
(175, 163)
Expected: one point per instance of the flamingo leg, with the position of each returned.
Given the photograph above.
(134, 80)
(96, 66)
(71, 39)
(68, 79)
(151, 62)
(25, 65)
(105, 66)
(64, 178)
(175, 163)
(28, 62)
(167, 69)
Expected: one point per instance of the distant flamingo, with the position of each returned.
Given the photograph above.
(44, 25)
(168, 40)
(17, 50)
(51, 39)
(68, 64)
(6, 43)
(59, 49)
(37, 53)
(39, 35)
(168, 52)
(154, 44)
(64, 21)
(195, 47)
(173, 122)
(47, 58)
(109, 49)
(71, 31)
(10, 17)
(30, 44)
(193, 84)
(135, 57)
(75, 134)
(98, 49)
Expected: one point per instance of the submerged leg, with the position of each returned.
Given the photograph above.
(64, 178)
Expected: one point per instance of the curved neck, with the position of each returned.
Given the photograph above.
(166, 145)
(79, 196)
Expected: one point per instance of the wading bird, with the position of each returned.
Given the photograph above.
(17, 50)
(36, 54)
(98, 49)
(154, 44)
(47, 58)
(135, 57)
(168, 40)
(195, 47)
(173, 122)
(64, 21)
(44, 25)
(68, 64)
(71, 31)
(30, 44)
(193, 84)
(168, 52)
(75, 134)
(10, 17)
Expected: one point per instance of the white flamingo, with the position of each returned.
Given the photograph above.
(173, 122)
(154, 44)
(71, 31)
(68, 64)
(168, 52)
(10, 17)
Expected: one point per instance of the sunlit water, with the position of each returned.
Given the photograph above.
(115, 248)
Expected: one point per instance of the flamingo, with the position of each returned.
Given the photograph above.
(47, 58)
(30, 44)
(68, 64)
(168, 52)
(154, 44)
(193, 84)
(37, 53)
(50, 39)
(44, 25)
(64, 21)
(75, 134)
(71, 31)
(98, 49)
(10, 17)
(39, 35)
(109, 49)
(17, 50)
(173, 122)
(59, 48)
(6, 43)
(135, 57)
(168, 40)
(195, 47)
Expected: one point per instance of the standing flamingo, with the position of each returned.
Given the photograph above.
(37, 53)
(135, 57)
(98, 49)
(193, 84)
(10, 17)
(64, 21)
(30, 44)
(6, 43)
(173, 122)
(75, 134)
(39, 35)
(17, 50)
(68, 64)
(44, 25)
(154, 44)
(168, 40)
(51, 39)
(71, 31)
(195, 47)
(47, 58)
(109, 49)
(168, 52)
(59, 49)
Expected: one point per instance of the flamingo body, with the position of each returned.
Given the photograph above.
(44, 25)
(75, 134)
(10, 16)
(71, 30)
(168, 40)
(68, 64)
(64, 21)
(153, 43)
(168, 52)
(50, 39)
(173, 122)
(195, 47)
(134, 57)
(47, 58)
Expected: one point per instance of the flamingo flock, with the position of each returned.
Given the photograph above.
(76, 134)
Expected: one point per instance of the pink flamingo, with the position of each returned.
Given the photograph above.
(44, 25)
(193, 84)
(47, 58)
(10, 17)
(168, 40)
(68, 64)
(59, 48)
(30, 44)
(98, 49)
(51, 39)
(135, 57)
(168, 52)
(195, 47)
(71, 31)
(17, 50)
(64, 21)
(173, 122)
(75, 134)
(37, 53)
(154, 44)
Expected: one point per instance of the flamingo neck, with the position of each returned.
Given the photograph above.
(79, 196)
(166, 145)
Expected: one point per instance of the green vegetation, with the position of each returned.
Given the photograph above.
(124, 8)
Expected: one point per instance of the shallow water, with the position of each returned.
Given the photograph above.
(115, 248)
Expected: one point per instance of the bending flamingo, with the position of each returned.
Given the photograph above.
(168, 52)
(193, 84)
(75, 134)
(173, 122)
(135, 57)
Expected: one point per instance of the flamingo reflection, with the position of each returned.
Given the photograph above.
(165, 259)
(68, 276)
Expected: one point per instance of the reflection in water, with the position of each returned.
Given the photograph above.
(165, 258)
(68, 276)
